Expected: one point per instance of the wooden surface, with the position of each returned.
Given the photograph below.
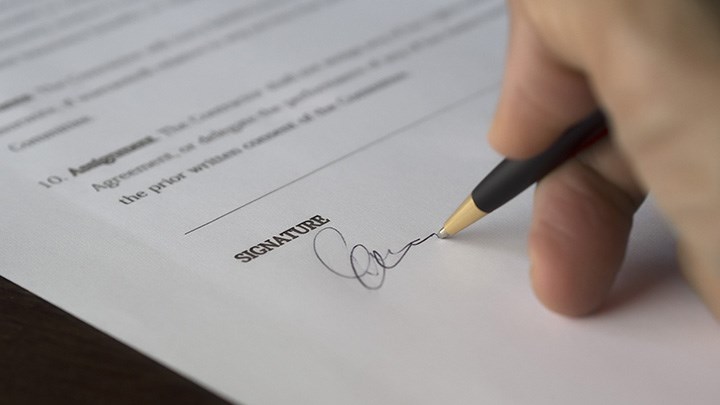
(48, 356)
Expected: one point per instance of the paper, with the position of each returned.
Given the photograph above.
(190, 176)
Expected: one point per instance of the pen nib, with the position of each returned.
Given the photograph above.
(442, 234)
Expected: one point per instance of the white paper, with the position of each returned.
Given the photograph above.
(146, 144)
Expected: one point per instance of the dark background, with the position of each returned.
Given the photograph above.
(49, 356)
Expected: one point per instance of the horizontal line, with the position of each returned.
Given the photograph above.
(14, 102)
(390, 135)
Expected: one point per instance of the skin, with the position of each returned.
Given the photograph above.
(654, 67)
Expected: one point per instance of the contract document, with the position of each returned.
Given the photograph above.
(247, 191)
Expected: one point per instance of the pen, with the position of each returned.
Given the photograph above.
(511, 177)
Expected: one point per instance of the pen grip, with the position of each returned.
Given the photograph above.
(511, 177)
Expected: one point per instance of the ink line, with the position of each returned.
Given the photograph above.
(369, 267)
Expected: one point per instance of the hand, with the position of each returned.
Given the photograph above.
(654, 67)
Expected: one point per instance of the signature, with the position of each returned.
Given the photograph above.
(369, 267)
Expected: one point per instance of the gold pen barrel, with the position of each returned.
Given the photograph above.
(465, 215)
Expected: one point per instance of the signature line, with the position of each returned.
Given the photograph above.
(383, 138)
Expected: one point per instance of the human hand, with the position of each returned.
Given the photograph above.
(654, 66)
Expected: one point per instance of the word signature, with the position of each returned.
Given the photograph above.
(369, 267)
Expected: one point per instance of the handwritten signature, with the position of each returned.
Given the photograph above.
(369, 267)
